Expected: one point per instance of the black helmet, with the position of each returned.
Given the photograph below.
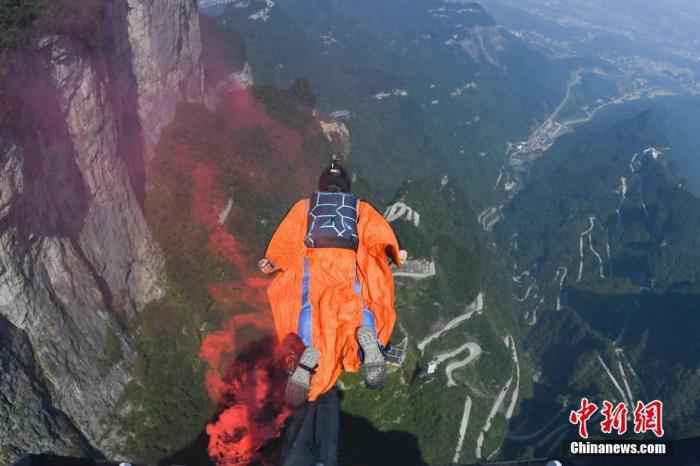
(334, 179)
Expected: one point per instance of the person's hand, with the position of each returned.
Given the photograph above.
(403, 256)
(266, 266)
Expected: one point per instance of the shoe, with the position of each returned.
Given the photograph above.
(373, 363)
(297, 391)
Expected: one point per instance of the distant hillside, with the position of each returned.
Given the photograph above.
(431, 86)
(607, 267)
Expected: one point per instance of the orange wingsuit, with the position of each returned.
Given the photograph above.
(336, 308)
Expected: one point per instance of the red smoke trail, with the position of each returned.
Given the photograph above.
(246, 380)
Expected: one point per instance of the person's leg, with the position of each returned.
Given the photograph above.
(304, 325)
(311, 437)
(298, 447)
(297, 389)
(367, 315)
(304, 328)
(371, 352)
(369, 322)
(327, 428)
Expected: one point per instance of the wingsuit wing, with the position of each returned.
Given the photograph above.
(286, 250)
(378, 243)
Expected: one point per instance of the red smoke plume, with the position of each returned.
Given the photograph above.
(246, 380)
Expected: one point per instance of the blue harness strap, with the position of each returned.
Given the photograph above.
(368, 320)
(304, 326)
(367, 314)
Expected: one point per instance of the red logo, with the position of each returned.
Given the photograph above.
(649, 417)
(614, 418)
(582, 415)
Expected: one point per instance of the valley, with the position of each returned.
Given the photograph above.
(538, 160)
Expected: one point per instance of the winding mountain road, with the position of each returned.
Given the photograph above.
(477, 306)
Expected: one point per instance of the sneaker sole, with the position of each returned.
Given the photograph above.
(297, 390)
(374, 364)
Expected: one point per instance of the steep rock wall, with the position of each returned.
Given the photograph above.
(77, 260)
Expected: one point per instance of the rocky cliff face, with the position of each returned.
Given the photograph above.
(166, 46)
(77, 260)
(24, 391)
(338, 134)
